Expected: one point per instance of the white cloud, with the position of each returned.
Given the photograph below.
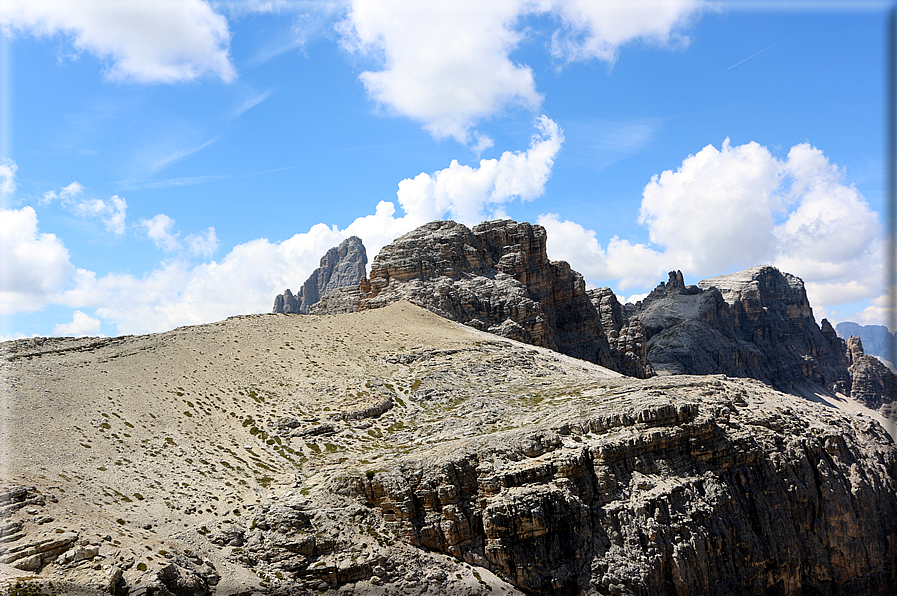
(879, 312)
(447, 65)
(145, 40)
(12, 336)
(115, 215)
(252, 102)
(65, 195)
(81, 325)
(35, 265)
(7, 177)
(158, 229)
(598, 29)
(112, 212)
(717, 210)
(634, 265)
(203, 244)
(471, 194)
(832, 237)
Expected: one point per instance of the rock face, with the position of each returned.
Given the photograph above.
(627, 336)
(877, 340)
(342, 266)
(739, 497)
(497, 278)
(871, 382)
(756, 323)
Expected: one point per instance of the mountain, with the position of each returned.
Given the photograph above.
(393, 451)
(756, 323)
(496, 277)
(342, 266)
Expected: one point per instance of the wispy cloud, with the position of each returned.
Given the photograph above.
(185, 181)
(191, 180)
(274, 50)
(757, 54)
(252, 102)
(599, 143)
(178, 155)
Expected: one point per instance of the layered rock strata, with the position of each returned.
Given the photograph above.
(342, 266)
(497, 277)
(727, 494)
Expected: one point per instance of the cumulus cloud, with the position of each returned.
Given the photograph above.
(598, 29)
(35, 265)
(82, 325)
(470, 195)
(717, 210)
(159, 230)
(12, 336)
(65, 195)
(248, 277)
(880, 311)
(146, 41)
(112, 212)
(737, 207)
(447, 65)
(634, 265)
(832, 236)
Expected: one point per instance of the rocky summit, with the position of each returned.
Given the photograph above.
(877, 340)
(342, 266)
(393, 451)
(756, 323)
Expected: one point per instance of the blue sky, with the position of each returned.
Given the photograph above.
(174, 162)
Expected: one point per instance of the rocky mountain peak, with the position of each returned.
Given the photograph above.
(496, 277)
(877, 339)
(342, 266)
(855, 348)
(763, 287)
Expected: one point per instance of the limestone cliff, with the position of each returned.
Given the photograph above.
(877, 340)
(871, 382)
(755, 323)
(671, 497)
(497, 277)
(342, 266)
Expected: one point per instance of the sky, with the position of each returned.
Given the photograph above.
(175, 162)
